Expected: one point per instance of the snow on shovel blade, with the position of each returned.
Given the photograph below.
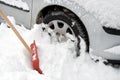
(35, 59)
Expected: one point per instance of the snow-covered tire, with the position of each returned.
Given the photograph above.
(73, 24)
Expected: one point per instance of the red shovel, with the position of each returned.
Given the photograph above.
(33, 50)
(35, 59)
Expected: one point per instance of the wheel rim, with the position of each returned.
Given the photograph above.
(60, 27)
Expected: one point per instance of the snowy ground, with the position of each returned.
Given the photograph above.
(57, 60)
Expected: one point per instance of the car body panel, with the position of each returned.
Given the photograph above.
(99, 39)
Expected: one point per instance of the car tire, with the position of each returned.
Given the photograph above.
(77, 27)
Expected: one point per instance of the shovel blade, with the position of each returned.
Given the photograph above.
(35, 59)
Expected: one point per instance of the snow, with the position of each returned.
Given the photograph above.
(17, 3)
(57, 59)
(106, 11)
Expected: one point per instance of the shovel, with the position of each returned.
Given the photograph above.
(32, 49)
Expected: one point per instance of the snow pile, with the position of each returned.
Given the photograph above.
(57, 60)
(17, 3)
(106, 11)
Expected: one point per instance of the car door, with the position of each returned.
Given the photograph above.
(21, 15)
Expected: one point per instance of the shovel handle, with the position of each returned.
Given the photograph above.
(3, 15)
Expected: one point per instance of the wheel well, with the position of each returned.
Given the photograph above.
(51, 8)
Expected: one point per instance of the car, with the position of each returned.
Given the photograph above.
(67, 16)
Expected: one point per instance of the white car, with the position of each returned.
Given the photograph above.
(67, 16)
